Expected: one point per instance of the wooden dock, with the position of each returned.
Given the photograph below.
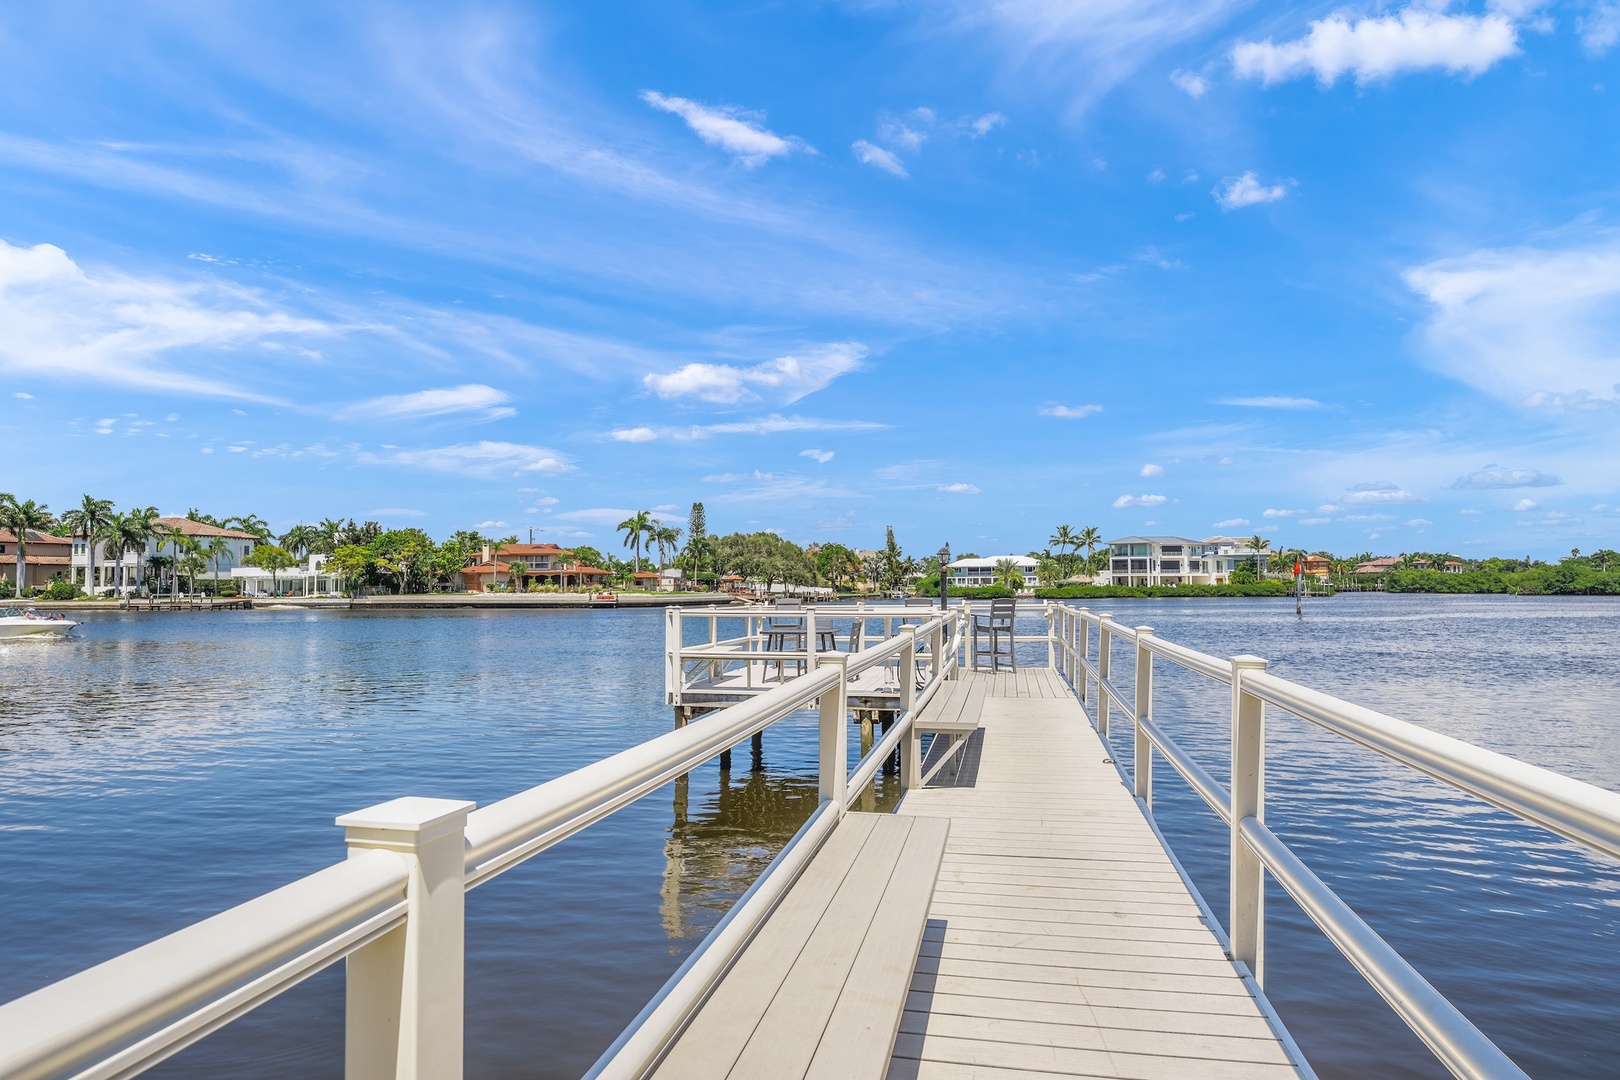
(1061, 938)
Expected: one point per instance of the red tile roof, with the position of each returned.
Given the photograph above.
(188, 527)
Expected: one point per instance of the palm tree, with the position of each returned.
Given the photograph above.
(88, 519)
(1008, 574)
(192, 564)
(636, 527)
(124, 534)
(254, 524)
(1089, 538)
(495, 548)
(326, 536)
(215, 548)
(300, 540)
(149, 529)
(1063, 539)
(22, 518)
(185, 548)
(668, 539)
(159, 564)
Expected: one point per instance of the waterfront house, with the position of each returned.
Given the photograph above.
(1452, 566)
(45, 557)
(1378, 566)
(973, 573)
(671, 579)
(312, 578)
(1179, 560)
(1316, 566)
(644, 579)
(238, 545)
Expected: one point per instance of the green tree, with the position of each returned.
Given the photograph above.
(252, 523)
(891, 559)
(88, 520)
(272, 558)
(1089, 538)
(355, 563)
(1007, 574)
(636, 528)
(215, 549)
(300, 540)
(23, 517)
(1063, 539)
(326, 536)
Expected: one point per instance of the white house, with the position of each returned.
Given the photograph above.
(970, 573)
(1177, 560)
(312, 578)
(236, 546)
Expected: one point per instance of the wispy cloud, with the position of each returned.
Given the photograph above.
(1381, 47)
(787, 378)
(1380, 491)
(1139, 500)
(633, 434)
(1272, 402)
(147, 332)
(1150, 470)
(980, 126)
(819, 456)
(1494, 476)
(775, 424)
(1232, 523)
(876, 156)
(959, 489)
(739, 133)
(1191, 83)
(482, 459)
(597, 515)
(1235, 193)
(1070, 412)
(470, 398)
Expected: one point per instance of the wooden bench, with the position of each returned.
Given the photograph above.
(820, 990)
(953, 712)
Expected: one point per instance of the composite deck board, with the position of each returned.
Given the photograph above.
(1061, 939)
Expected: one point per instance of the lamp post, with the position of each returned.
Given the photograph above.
(944, 560)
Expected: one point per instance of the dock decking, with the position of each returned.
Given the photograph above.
(1061, 938)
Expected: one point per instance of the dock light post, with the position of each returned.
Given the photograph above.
(944, 559)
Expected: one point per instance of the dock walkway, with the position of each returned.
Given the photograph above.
(1061, 938)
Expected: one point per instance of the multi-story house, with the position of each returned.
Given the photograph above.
(1178, 560)
(45, 556)
(237, 545)
(970, 573)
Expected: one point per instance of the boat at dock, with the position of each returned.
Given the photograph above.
(25, 621)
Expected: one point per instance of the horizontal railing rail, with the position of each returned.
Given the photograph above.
(1577, 811)
(394, 908)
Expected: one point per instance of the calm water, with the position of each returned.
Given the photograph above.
(155, 769)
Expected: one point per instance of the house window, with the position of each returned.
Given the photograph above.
(1171, 566)
(1139, 566)
(1170, 549)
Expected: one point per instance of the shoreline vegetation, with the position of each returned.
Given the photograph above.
(138, 555)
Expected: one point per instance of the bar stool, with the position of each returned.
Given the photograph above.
(996, 625)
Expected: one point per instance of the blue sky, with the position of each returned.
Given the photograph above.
(1345, 275)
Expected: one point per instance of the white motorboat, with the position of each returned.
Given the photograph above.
(26, 622)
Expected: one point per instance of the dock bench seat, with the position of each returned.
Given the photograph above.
(954, 712)
(820, 990)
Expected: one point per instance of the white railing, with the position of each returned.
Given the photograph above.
(774, 644)
(1577, 811)
(395, 907)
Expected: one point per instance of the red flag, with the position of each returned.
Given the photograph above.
(1297, 568)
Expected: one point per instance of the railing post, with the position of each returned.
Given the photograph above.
(834, 753)
(404, 1019)
(1246, 922)
(809, 640)
(937, 637)
(1105, 663)
(1051, 653)
(910, 757)
(1142, 769)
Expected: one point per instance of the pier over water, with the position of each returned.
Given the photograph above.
(1019, 916)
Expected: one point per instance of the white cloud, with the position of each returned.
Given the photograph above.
(1272, 402)
(871, 154)
(64, 322)
(984, 125)
(1139, 500)
(787, 378)
(1233, 523)
(1150, 470)
(1418, 523)
(1524, 504)
(1381, 47)
(1246, 190)
(730, 129)
(1494, 476)
(959, 489)
(902, 135)
(735, 477)
(819, 456)
(470, 398)
(775, 424)
(1280, 514)
(598, 515)
(1194, 84)
(1328, 508)
(484, 459)
(1315, 521)
(634, 434)
(23, 395)
(1533, 325)
(492, 525)
(1470, 512)
(1379, 491)
(1367, 517)
(1600, 27)
(1071, 412)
